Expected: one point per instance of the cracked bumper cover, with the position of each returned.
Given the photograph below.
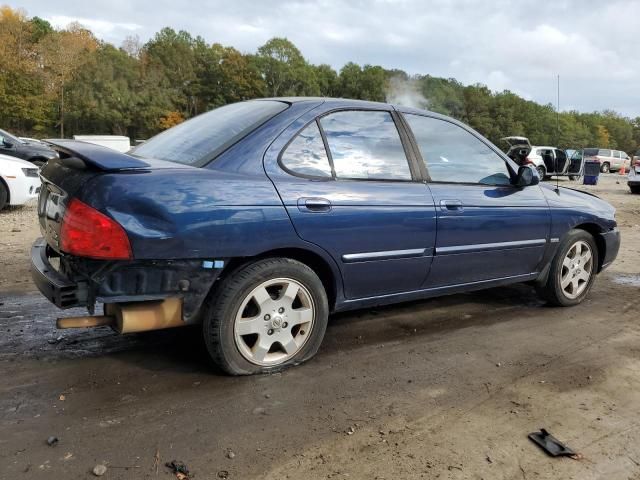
(83, 282)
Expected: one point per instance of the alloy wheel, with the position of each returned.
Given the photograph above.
(274, 321)
(577, 268)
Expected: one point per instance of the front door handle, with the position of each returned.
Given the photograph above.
(451, 205)
(315, 204)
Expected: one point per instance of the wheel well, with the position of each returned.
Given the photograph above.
(6, 187)
(595, 232)
(310, 259)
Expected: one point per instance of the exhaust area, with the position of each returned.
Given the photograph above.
(132, 317)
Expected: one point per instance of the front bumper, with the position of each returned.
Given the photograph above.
(61, 291)
(612, 246)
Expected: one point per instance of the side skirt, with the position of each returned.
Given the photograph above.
(431, 292)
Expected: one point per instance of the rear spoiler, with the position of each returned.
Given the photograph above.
(79, 154)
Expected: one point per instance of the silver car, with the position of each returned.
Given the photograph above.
(610, 160)
(546, 160)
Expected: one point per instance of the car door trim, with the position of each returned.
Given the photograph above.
(490, 246)
(385, 255)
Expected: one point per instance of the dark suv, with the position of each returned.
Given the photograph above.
(35, 153)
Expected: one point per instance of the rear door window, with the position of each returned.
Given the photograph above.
(616, 154)
(452, 154)
(365, 145)
(306, 155)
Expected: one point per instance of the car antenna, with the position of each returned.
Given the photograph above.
(557, 136)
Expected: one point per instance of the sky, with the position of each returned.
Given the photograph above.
(517, 45)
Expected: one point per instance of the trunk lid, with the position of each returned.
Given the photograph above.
(63, 178)
(519, 148)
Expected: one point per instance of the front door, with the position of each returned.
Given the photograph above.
(487, 228)
(349, 188)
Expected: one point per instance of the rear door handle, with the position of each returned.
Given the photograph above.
(315, 204)
(451, 205)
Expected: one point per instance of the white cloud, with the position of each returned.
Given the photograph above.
(111, 31)
(520, 45)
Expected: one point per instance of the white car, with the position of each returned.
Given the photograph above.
(546, 160)
(19, 181)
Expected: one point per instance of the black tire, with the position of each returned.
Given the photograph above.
(224, 303)
(4, 195)
(552, 290)
(542, 172)
(573, 177)
(605, 168)
(635, 189)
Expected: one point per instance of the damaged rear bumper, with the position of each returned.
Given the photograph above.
(81, 282)
(58, 289)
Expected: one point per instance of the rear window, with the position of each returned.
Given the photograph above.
(201, 139)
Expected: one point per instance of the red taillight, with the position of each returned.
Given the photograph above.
(86, 232)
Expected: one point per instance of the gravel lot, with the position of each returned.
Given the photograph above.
(446, 388)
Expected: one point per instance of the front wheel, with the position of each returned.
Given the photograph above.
(573, 270)
(265, 317)
(541, 172)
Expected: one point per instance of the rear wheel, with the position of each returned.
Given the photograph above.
(4, 195)
(573, 270)
(605, 168)
(265, 317)
(541, 172)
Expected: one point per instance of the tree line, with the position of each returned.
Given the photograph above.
(60, 82)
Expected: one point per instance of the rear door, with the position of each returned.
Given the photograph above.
(561, 161)
(487, 228)
(349, 187)
(616, 163)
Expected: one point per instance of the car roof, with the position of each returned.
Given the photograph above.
(353, 103)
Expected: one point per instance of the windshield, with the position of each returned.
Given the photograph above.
(9, 138)
(201, 139)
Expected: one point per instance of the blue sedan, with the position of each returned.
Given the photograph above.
(258, 219)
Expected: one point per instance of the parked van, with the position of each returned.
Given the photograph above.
(119, 143)
(610, 160)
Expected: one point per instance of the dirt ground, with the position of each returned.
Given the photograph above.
(446, 388)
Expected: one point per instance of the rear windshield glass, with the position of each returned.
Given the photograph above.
(203, 138)
(590, 152)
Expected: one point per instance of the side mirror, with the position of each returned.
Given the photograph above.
(527, 176)
(7, 144)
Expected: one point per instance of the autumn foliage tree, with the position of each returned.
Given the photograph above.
(65, 81)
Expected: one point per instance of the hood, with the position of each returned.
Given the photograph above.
(4, 159)
(578, 200)
(38, 147)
